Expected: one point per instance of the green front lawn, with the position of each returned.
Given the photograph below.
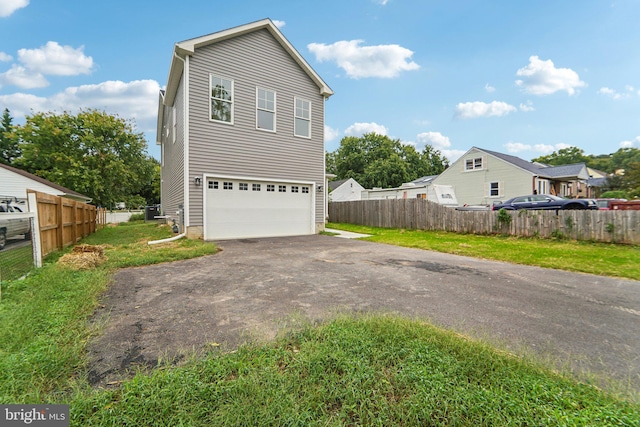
(352, 370)
(604, 259)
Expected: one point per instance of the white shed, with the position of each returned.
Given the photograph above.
(15, 182)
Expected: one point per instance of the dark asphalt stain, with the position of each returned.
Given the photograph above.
(434, 267)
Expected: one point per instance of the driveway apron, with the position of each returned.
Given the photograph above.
(255, 288)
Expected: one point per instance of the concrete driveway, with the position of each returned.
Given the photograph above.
(255, 288)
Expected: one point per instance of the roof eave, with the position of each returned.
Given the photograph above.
(188, 47)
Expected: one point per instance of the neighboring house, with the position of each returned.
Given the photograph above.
(241, 129)
(345, 190)
(421, 188)
(481, 177)
(15, 182)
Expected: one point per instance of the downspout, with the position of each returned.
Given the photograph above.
(185, 142)
(170, 239)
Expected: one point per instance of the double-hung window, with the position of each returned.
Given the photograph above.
(221, 99)
(302, 118)
(266, 109)
(473, 164)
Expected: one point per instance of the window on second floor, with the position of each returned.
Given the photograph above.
(302, 118)
(266, 109)
(473, 164)
(221, 99)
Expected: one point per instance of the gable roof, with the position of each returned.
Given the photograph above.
(187, 47)
(65, 191)
(337, 183)
(543, 171)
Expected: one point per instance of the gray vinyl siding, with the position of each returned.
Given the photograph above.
(173, 171)
(253, 60)
(471, 186)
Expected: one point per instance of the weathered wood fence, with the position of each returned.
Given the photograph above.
(621, 226)
(62, 222)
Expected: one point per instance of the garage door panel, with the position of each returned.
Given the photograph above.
(252, 211)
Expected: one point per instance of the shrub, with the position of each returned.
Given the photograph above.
(136, 217)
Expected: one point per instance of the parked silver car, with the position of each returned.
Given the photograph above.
(11, 227)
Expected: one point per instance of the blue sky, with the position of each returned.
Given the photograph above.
(519, 77)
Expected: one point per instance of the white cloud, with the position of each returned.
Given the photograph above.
(630, 144)
(278, 23)
(358, 129)
(472, 110)
(382, 2)
(7, 7)
(21, 104)
(615, 94)
(5, 57)
(384, 61)
(23, 78)
(546, 148)
(516, 147)
(133, 100)
(435, 139)
(543, 78)
(489, 88)
(528, 107)
(452, 155)
(330, 134)
(53, 59)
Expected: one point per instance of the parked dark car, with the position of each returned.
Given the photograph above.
(546, 202)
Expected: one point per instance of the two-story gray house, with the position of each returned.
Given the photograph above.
(241, 127)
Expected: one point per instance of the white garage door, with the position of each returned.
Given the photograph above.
(236, 208)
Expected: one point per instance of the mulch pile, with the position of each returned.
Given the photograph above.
(84, 257)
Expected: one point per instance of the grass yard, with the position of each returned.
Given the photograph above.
(352, 370)
(603, 259)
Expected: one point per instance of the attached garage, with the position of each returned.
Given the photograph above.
(237, 208)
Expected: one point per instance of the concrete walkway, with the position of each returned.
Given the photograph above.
(346, 234)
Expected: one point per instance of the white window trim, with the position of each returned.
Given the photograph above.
(500, 189)
(275, 108)
(474, 168)
(174, 125)
(295, 116)
(232, 102)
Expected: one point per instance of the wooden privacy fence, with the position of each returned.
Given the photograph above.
(592, 225)
(62, 222)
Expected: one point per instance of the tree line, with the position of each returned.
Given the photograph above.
(378, 161)
(93, 153)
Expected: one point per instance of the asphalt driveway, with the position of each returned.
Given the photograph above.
(255, 288)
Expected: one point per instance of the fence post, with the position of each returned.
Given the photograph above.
(35, 232)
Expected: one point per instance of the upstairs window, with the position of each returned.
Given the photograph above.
(221, 99)
(266, 109)
(473, 164)
(302, 118)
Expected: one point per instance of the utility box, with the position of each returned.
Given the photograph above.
(151, 212)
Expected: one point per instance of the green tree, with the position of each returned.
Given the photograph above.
(9, 149)
(378, 161)
(564, 156)
(93, 153)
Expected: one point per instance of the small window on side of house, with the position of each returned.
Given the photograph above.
(305, 190)
(265, 109)
(243, 186)
(282, 188)
(302, 118)
(271, 187)
(221, 99)
(227, 185)
(255, 187)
